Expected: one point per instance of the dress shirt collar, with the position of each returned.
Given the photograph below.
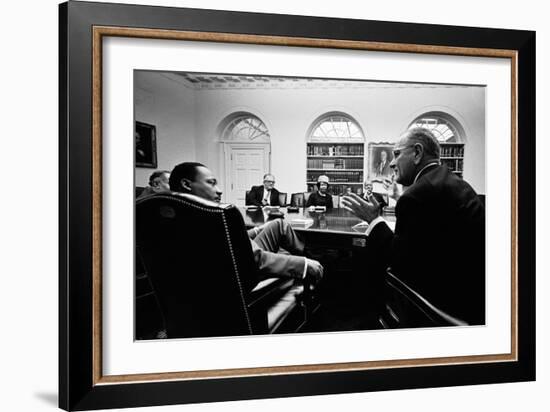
(267, 196)
(424, 168)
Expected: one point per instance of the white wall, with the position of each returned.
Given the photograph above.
(28, 217)
(382, 113)
(169, 106)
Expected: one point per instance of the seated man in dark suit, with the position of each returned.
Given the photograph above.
(265, 195)
(321, 197)
(266, 240)
(158, 182)
(438, 248)
(368, 194)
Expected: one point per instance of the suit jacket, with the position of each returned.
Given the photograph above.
(438, 247)
(257, 194)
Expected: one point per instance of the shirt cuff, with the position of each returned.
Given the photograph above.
(305, 268)
(373, 224)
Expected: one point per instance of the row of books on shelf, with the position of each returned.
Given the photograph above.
(335, 150)
(340, 190)
(452, 151)
(454, 164)
(336, 177)
(334, 163)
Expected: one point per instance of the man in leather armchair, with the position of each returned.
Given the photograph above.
(265, 195)
(266, 240)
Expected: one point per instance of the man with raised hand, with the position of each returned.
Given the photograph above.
(438, 248)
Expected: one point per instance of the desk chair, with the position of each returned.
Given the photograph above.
(139, 190)
(406, 308)
(282, 199)
(299, 199)
(199, 260)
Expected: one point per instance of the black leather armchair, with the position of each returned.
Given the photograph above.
(406, 308)
(199, 260)
(299, 199)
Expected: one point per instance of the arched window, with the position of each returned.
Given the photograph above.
(336, 128)
(246, 128)
(450, 135)
(335, 148)
(444, 129)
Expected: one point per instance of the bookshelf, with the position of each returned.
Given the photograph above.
(342, 162)
(452, 155)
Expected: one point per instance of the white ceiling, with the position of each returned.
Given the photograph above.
(236, 81)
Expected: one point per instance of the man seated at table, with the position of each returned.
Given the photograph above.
(368, 194)
(264, 195)
(266, 240)
(438, 248)
(158, 182)
(321, 197)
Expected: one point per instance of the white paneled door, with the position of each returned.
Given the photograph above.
(246, 165)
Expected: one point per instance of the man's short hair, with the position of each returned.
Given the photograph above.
(427, 139)
(156, 175)
(268, 174)
(186, 170)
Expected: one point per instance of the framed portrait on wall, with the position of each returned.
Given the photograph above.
(198, 58)
(146, 145)
(379, 159)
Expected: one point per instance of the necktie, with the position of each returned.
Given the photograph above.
(267, 196)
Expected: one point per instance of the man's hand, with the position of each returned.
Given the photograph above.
(314, 270)
(363, 209)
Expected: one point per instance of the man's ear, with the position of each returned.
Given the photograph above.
(418, 153)
(186, 184)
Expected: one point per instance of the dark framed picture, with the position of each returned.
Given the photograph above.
(146, 145)
(204, 76)
(380, 157)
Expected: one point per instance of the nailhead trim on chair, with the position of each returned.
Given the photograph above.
(243, 301)
(217, 209)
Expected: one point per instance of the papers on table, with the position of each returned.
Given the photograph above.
(301, 223)
(361, 227)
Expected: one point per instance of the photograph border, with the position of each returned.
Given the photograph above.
(82, 28)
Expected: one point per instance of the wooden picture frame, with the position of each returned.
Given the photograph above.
(82, 383)
(146, 145)
(378, 170)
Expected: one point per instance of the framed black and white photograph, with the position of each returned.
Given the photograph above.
(237, 148)
(198, 294)
(380, 157)
(146, 145)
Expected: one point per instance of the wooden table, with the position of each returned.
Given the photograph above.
(335, 228)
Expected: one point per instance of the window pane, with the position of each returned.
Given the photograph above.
(441, 128)
(245, 128)
(336, 127)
